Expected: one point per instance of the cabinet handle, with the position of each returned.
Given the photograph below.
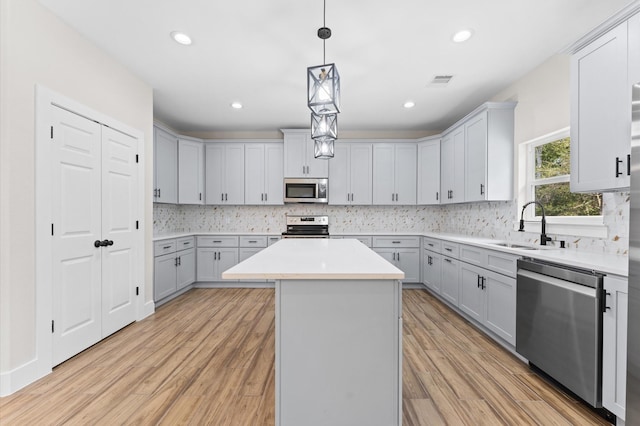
(252, 241)
(430, 244)
(447, 260)
(159, 195)
(398, 257)
(448, 249)
(201, 196)
(484, 280)
(166, 247)
(179, 260)
(478, 282)
(225, 196)
(175, 262)
(217, 241)
(604, 304)
(396, 242)
(481, 189)
(628, 164)
(266, 197)
(437, 195)
(186, 243)
(222, 196)
(155, 192)
(452, 194)
(618, 172)
(261, 197)
(430, 262)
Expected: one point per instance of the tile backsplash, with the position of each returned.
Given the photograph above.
(496, 220)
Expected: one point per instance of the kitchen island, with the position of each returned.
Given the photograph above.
(338, 331)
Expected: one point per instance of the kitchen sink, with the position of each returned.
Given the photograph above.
(518, 246)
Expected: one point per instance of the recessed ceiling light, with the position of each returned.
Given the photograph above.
(181, 38)
(236, 105)
(462, 35)
(409, 104)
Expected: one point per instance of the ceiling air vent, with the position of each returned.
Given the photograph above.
(440, 80)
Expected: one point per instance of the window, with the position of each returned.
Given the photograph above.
(547, 163)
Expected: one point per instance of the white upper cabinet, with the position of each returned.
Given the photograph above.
(429, 172)
(394, 173)
(601, 77)
(299, 160)
(190, 172)
(224, 171)
(165, 172)
(263, 173)
(488, 151)
(452, 166)
(350, 174)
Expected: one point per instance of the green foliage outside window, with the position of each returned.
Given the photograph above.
(551, 161)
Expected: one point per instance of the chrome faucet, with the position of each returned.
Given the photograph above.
(543, 236)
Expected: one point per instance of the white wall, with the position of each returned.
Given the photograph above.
(37, 48)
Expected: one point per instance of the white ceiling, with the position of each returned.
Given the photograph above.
(387, 52)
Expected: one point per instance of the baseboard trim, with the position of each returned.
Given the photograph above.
(18, 378)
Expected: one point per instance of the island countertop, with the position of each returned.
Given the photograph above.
(315, 258)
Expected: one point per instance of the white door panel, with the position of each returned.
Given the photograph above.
(119, 183)
(76, 219)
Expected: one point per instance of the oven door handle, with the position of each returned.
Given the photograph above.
(546, 279)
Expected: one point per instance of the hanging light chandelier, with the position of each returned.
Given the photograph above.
(323, 90)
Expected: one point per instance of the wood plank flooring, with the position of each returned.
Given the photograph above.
(208, 358)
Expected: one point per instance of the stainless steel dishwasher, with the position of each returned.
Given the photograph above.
(559, 325)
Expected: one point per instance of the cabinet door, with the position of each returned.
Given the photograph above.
(186, 271)
(452, 167)
(165, 167)
(614, 346)
(405, 173)
(388, 254)
(214, 174)
(457, 194)
(190, 172)
(475, 173)
(408, 261)
(245, 253)
(449, 283)
(431, 270)
(227, 257)
(339, 173)
(471, 299)
(164, 276)
(600, 113)
(500, 305)
(360, 173)
(206, 259)
(274, 183)
(254, 184)
(383, 174)
(429, 172)
(295, 154)
(234, 173)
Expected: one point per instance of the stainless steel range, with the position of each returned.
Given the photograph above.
(299, 226)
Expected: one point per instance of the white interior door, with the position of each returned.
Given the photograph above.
(119, 184)
(76, 225)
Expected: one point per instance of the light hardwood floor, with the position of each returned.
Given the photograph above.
(208, 358)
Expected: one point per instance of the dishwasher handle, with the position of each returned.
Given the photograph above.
(566, 285)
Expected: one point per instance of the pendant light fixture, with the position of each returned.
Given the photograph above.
(323, 90)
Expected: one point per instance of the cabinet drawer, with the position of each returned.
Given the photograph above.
(164, 247)
(367, 241)
(223, 241)
(185, 243)
(392, 242)
(272, 239)
(253, 241)
(502, 263)
(450, 249)
(432, 244)
(473, 255)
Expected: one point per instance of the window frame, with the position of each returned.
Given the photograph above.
(587, 226)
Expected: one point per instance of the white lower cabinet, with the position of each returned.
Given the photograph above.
(403, 252)
(214, 256)
(250, 245)
(449, 283)
(614, 346)
(174, 267)
(431, 270)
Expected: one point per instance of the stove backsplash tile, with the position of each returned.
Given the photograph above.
(496, 220)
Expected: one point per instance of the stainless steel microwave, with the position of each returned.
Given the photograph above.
(306, 190)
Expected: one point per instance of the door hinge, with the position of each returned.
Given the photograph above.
(137, 291)
(137, 224)
(137, 158)
(53, 328)
(52, 229)
(51, 132)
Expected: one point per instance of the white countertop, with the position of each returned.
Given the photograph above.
(315, 258)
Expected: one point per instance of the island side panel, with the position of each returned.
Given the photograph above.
(338, 352)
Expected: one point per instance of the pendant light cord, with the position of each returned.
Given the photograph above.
(324, 24)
